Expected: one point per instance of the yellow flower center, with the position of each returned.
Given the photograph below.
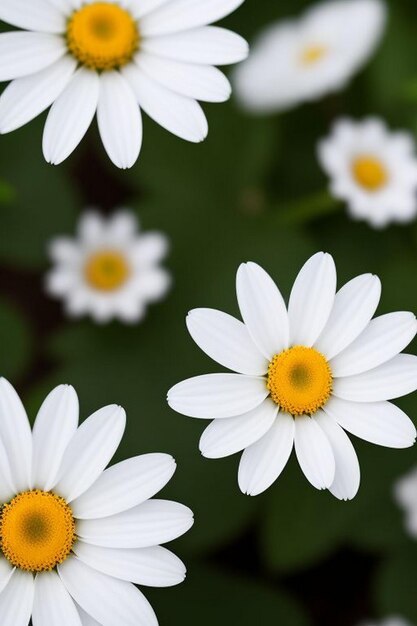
(107, 270)
(369, 172)
(37, 531)
(102, 36)
(300, 380)
(312, 54)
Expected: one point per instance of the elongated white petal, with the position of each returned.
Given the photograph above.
(53, 605)
(22, 54)
(225, 437)
(86, 620)
(185, 14)
(314, 453)
(347, 475)
(110, 601)
(227, 341)
(263, 309)
(125, 485)
(217, 395)
(119, 120)
(151, 523)
(7, 486)
(209, 45)
(202, 82)
(263, 461)
(64, 6)
(383, 338)
(90, 450)
(152, 567)
(381, 423)
(16, 601)
(354, 306)
(139, 8)
(179, 115)
(6, 571)
(312, 299)
(16, 436)
(39, 16)
(54, 428)
(25, 98)
(70, 116)
(391, 380)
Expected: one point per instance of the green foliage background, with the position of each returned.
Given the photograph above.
(252, 191)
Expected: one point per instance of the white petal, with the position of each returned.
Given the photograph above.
(110, 601)
(347, 476)
(16, 435)
(54, 428)
(139, 8)
(150, 249)
(70, 116)
(16, 601)
(354, 306)
(7, 486)
(152, 567)
(90, 450)
(227, 341)
(125, 485)
(22, 54)
(312, 299)
(314, 453)
(179, 115)
(87, 620)
(184, 14)
(53, 606)
(263, 309)
(391, 380)
(382, 339)
(225, 437)
(6, 571)
(263, 461)
(209, 45)
(151, 523)
(381, 423)
(25, 98)
(217, 395)
(202, 82)
(119, 120)
(39, 16)
(66, 7)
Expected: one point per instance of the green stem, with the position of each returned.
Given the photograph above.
(307, 209)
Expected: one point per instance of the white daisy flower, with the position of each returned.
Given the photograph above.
(373, 170)
(304, 376)
(405, 494)
(115, 58)
(74, 536)
(110, 270)
(304, 59)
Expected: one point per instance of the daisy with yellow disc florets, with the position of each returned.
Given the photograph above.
(114, 58)
(74, 536)
(304, 376)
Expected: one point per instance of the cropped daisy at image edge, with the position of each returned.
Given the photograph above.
(304, 375)
(75, 537)
(114, 59)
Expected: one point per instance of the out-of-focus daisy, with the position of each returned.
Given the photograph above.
(405, 493)
(74, 535)
(304, 376)
(114, 58)
(304, 59)
(110, 270)
(373, 170)
(389, 621)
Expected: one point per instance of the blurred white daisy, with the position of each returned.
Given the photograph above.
(389, 621)
(74, 536)
(303, 377)
(110, 270)
(373, 170)
(304, 59)
(114, 58)
(405, 493)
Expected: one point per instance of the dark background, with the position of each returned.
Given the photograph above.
(252, 191)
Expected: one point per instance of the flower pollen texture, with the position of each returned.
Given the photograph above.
(37, 531)
(107, 270)
(370, 172)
